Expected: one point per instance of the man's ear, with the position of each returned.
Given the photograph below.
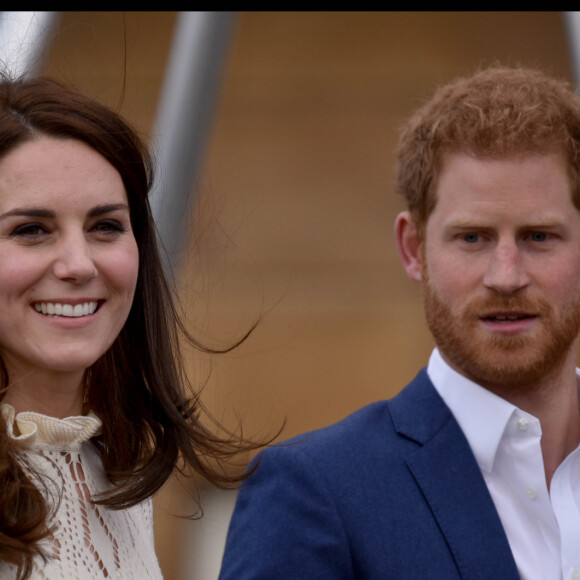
(409, 245)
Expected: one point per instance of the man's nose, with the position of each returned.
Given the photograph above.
(506, 272)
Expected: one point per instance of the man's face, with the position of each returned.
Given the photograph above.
(500, 268)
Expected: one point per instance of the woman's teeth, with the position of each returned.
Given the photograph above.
(72, 311)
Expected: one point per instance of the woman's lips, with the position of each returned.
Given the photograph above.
(66, 309)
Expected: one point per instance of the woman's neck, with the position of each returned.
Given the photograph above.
(58, 395)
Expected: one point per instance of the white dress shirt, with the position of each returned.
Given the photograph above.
(542, 526)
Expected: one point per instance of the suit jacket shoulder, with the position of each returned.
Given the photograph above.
(392, 491)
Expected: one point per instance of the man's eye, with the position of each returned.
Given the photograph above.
(470, 238)
(538, 236)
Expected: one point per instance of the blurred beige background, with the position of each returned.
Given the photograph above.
(294, 207)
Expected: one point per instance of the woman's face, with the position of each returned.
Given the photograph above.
(68, 257)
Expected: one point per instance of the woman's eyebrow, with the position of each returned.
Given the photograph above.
(103, 209)
(29, 212)
(47, 213)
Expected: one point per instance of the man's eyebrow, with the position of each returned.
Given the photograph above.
(548, 221)
(464, 223)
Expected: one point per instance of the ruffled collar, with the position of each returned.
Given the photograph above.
(41, 430)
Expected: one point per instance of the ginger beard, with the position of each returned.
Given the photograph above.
(507, 362)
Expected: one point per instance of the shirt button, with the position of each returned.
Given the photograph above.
(533, 494)
(575, 575)
(523, 425)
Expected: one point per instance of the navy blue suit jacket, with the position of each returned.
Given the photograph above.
(392, 491)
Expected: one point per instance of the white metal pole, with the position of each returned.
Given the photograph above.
(572, 25)
(24, 37)
(188, 97)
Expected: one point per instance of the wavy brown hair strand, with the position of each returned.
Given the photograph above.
(153, 422)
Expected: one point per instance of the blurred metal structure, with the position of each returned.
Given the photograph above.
(572, 26)
(188, 97)
(24, 37)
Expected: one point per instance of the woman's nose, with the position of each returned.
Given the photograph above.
(74, 262)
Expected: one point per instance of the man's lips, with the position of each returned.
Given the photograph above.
(507, 317)
(509, 322)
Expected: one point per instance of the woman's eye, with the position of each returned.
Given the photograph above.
(28, 231)
(109, 227)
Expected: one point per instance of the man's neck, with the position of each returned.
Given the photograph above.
(555, 402)
(554, 399)
(559, 413)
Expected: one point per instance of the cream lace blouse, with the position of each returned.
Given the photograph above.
(89, 541)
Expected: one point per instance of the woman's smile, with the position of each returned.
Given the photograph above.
(68, 257)
(66, 309)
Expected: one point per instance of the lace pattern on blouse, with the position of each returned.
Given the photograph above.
(88, 540)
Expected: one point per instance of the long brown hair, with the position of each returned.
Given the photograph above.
(151, 417)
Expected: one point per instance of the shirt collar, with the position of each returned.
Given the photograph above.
(482, 416)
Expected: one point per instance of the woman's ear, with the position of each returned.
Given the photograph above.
(409, 245)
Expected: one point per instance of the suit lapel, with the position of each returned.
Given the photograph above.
(447, 473)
